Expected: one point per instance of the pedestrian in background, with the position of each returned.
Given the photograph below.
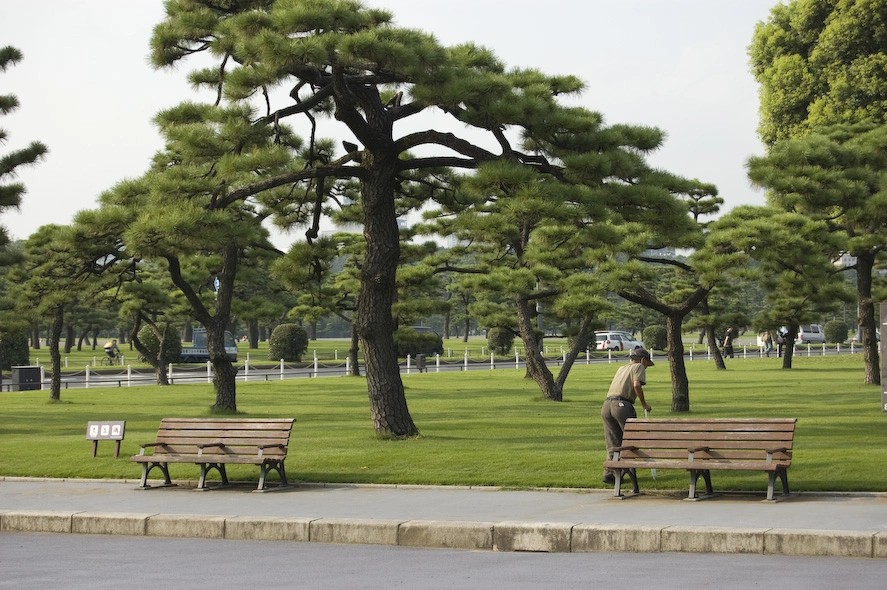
(767, 342)
(728, 342)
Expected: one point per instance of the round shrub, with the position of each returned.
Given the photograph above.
(417, 340)
(836, 331)
(500, 340)
(148, 338)
(15, 349)
(288, 342)
(655, 338)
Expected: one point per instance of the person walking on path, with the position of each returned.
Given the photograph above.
(627, 386)
(767, 342)
(728, 342)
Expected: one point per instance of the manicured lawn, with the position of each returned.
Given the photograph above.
(478, 427)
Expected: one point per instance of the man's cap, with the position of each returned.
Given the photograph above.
(642, 353)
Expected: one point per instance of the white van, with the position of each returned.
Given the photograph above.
(811, 334)
(807, 334)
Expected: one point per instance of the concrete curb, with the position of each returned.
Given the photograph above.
(500, 536)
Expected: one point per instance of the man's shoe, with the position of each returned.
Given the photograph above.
(609, 478)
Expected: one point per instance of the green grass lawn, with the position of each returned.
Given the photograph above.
(478, 427)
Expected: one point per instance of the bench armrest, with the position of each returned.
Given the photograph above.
(274, 446)
(770, 453)
(207, 445)
(617, 451)
(146, 445)
(691, 452)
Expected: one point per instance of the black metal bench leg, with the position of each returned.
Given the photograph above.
(282, 471)
(146, 469)
(633, 475)
(263, 472)
(694, 478)
(204, 470)
(201, 483)
(771, 483)
(783, 475)
(706, 475)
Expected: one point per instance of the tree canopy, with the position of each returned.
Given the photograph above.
(318, 60)
(11, 192)
(820, 62)
(835, 175)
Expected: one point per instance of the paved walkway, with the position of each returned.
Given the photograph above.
(851, 525)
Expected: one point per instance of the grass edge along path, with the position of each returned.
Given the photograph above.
(478, 427)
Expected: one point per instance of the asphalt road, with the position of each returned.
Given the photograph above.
(97, 562)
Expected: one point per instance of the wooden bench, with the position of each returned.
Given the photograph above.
(212, 443)
(704, 445)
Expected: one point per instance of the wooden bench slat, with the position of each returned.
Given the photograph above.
(686, 465)
(710, 455)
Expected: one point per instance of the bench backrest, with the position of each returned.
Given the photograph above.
(727, 439)
(239, 436)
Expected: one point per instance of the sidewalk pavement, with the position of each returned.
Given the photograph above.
(844, 525)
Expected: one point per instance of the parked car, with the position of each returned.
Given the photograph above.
(858, 336)
(616, 340)
(809, 334)
(198, 351)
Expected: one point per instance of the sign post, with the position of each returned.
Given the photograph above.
(96, 431)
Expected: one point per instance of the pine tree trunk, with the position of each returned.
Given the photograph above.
(224, 371)
(866, 319)
(788, 349)
(224, 374)
(708, 332)
(715, 349)
(55, 355)
(252, 328)
(374, 324)
(536, 367)
(353, 351)
(573, 353)
(680, 384)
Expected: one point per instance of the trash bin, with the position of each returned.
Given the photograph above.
(25, 378)
(420, 362)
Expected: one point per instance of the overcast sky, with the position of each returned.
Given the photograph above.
(87, 91)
